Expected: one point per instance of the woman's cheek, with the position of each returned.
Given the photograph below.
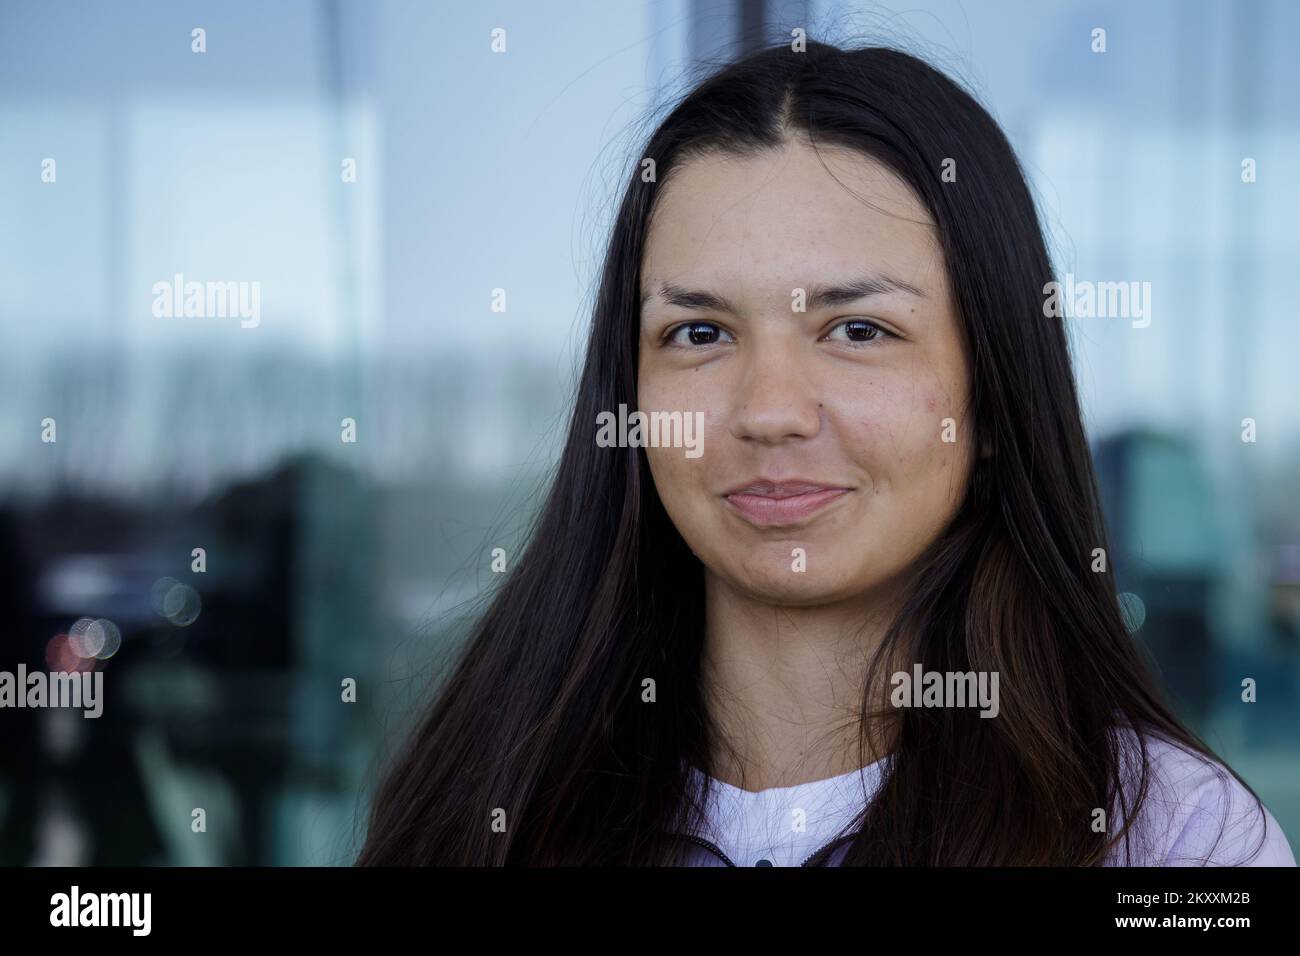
(869, 421)
(702, 436)
(938, 442)
(896, 433)
(681, 483)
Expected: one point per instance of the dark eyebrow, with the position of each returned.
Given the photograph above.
(691, 299)
(821, 297)
(818, 297)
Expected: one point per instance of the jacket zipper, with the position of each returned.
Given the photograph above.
(717, 851)
(708, 846)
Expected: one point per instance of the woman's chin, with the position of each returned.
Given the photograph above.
(790, 589)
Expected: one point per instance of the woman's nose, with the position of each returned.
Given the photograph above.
(776, 398)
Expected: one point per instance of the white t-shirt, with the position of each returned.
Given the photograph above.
(1187, 805)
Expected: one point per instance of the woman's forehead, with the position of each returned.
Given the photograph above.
(784, 181)
(783, 216)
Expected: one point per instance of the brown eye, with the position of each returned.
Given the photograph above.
(858, 331)
(696, 333)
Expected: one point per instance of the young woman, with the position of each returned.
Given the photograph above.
(862, 621)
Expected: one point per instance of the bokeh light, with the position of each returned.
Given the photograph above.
(112, 639)
(86, 637)
(1135, 611)
(177, 602)
(61, 656)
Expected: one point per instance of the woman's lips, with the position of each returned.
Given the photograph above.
(782, 507)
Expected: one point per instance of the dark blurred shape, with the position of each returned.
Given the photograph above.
(229, 702)
(1160, 518)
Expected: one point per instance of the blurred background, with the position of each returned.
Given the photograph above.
(378, 171)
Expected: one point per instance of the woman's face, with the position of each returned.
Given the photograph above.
(835, 435)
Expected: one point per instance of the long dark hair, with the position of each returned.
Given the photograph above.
(543, 716)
